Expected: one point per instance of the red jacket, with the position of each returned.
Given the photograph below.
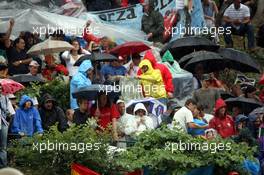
(165, 72)
(225, 126)
(88, 36)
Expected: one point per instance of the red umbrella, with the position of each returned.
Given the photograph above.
(129, 48)
(10, 86)
(261, 81)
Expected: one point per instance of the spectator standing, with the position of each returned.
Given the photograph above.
(18, 59)
(206, 96)
(152, 22)
(6, 110)
(80, 80)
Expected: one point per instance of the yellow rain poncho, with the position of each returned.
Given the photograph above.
(152, 82)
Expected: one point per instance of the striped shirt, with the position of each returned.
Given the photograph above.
(239, 14)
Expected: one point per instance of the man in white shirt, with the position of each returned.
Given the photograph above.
(237, 21)
(183, 118)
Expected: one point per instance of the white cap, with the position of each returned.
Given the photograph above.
(34, 63)
(10, 96)
(120, 101)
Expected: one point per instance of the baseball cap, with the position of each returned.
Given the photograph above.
(34, 63)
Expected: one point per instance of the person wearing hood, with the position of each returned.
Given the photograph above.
(173, 65)
(80, 80)
(51, 113)
(139, 122)
(222, 123)
(240, 122)
(27, 120)
(152, 82)
(152, 22)
(165, 73)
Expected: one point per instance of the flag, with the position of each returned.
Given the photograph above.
(77, 169)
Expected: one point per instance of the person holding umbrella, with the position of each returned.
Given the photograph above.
(106, 113)
(222, 123)
(81, 79)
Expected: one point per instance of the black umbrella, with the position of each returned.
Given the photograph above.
(24, 78)
(238, 60)
(96, 57)
(256, 111)
(225, 95)
(83, 58)
(187, 45)
(246, 104)
(211, 61)
(91, 92)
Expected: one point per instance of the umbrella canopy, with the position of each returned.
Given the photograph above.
(257, 111)
(91, 92)
(10, 86)
(247, 104)
(82, 59)
(24, 78)
(152, 105)
(49, 47)
(211, 61)
(225, 95)
(187, 45)
(130, 48)
(96, 57)
(238, 60)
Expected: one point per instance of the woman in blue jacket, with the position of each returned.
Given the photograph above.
(27, 120)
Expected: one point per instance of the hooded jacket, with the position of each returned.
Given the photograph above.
(165, 72)
(26, 120)
(175, 67)
(152, 81)
(225, 125)
(50, 117)
(132, 126)
(80, 80)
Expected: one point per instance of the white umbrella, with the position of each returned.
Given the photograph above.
(49, 47)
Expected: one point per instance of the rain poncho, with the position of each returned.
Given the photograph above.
(165, 72)
(152, 82)
(80, 80)
(26, 120)
(175, 67)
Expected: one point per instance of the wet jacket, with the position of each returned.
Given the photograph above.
(224, 126)
(80, 80)
(27, 121)
(152, 82)
(174, 67)
(51, 117)
(165, 72)
(153, 22)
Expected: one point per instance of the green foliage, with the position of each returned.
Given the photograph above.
(151, 151)
(57, 88)
(58, 161)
